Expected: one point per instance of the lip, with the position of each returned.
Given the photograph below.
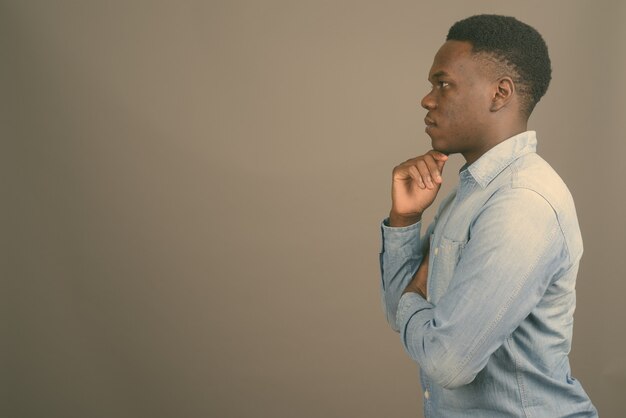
(430, 124)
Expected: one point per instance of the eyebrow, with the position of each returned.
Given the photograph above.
(438, 74)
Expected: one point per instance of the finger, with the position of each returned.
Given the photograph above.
(433, 167)
(424, 171)
(440, 156)
(401, 172)
(423, 177)
(417, 178)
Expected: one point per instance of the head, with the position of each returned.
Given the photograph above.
(487, 78)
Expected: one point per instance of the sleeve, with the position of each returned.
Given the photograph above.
(401, 254)
(515, 249)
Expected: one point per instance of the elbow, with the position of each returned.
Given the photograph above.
(391, 319)
(441, 357)
(447, 371)
(390, 311)
(458, 381)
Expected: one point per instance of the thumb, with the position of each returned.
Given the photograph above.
(441, 164)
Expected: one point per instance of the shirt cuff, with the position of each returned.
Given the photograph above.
(399, 237)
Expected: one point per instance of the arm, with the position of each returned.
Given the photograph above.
(419, 281)
(504, 269)
(403, 251)
(415, 185)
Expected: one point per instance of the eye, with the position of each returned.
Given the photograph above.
(442, 84)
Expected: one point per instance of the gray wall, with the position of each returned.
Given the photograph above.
(193, 193)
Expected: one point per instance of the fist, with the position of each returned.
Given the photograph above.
(414, 187)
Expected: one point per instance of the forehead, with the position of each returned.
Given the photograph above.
(454, 58)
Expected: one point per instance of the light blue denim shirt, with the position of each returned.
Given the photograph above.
(493, 338)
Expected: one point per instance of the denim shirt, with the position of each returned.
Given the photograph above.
(493, 337)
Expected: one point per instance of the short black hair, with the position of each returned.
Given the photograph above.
(515, 47)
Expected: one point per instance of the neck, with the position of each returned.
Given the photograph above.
(496, 135)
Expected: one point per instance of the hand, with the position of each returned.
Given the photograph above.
(419, 281)
(415, 185)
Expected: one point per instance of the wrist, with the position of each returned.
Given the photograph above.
(419, 291)
(397, 220)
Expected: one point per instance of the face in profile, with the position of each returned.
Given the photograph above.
(460, 99)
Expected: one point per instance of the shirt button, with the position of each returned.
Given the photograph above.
(426, 394)
(436, 250)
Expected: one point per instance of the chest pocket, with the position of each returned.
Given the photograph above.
(443, 261)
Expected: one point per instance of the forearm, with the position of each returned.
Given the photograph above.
(485, 301)
(419, 283)
(401, 255)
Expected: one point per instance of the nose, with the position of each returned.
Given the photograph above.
(428, 101)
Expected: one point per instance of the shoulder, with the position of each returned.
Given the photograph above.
(532, 183)
(534, 173)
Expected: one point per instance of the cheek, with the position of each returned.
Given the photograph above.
(469, 110)
(461, 120)
(454, 114)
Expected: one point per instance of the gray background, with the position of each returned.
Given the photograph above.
(193, 191)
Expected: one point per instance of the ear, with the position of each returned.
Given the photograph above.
(503, 93)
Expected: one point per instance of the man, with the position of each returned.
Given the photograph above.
(484, 299)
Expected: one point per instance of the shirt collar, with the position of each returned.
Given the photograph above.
(491, 163)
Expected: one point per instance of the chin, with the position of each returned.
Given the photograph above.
(437, 144)
(441, 146)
